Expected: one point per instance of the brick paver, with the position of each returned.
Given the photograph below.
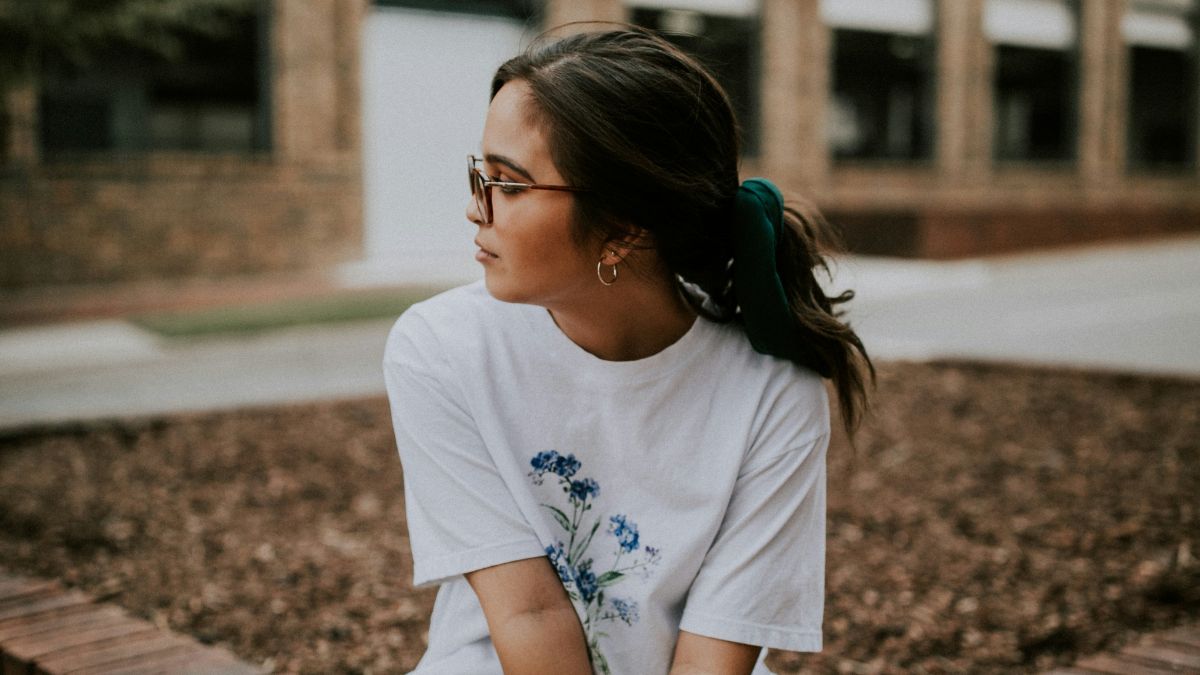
(48, 630)
(1169, 653)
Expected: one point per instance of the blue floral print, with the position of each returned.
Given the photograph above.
(585, 580)
(552, 462)
(558, 558)
(625, 532)
(582, 489)
(626, 610)
(579, 574)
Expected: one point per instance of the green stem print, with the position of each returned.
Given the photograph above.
(587, 587)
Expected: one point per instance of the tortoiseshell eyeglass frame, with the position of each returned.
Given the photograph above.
(481, 187)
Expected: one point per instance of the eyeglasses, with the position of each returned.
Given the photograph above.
(481, 187)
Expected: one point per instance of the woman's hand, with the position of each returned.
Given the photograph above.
(700, 655)
(533, 625)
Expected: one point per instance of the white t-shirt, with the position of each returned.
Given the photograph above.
(685, 490)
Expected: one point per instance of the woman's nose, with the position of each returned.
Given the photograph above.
(473, 214)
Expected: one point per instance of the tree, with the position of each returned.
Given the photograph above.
(38, 34)
(35, 32)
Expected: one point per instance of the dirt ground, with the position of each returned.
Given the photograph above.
(991, 520)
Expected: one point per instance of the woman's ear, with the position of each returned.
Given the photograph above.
(618, 248)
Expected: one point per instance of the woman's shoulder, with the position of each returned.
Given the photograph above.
(792, 402)
(449, 321)
(732, 353)
(449, 305)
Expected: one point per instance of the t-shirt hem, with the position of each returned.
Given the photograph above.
(748, 632)
(441, 569)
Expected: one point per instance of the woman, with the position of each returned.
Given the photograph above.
(614, 447)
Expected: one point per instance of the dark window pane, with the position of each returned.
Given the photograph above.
(520, 9)
(882, 96)
(75, 122)
(1162, 90)
(1034, 104)
(725, 45)
(124, 99)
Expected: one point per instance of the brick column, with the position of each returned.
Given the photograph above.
(559, 12)
(964, 92)
(795, 92)
(351, 19)
(1195, 22)
(309, 45)
(1103, 95)
(20, 109)
(316, 101)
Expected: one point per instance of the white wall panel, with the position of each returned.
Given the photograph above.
(426, 77)
(908, 17)
(714, 7)
(1045, 24)
(1163, 29)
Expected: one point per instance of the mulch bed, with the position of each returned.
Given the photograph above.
(991, 519)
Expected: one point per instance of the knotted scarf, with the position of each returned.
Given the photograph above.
(768, 318)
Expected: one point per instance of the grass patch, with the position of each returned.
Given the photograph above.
(265, 316)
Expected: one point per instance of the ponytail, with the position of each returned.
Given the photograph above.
(836, 350)
(777, 252)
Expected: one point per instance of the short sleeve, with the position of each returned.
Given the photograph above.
(762, 581)
(461, 514)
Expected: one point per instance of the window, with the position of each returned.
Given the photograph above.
(518, 9)
(1162, 83)
(725, 40)
(883, 73)
(211, 99)
(1034, 79)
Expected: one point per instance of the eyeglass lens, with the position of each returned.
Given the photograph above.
(479, 191)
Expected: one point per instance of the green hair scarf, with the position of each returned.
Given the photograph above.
(769, 322)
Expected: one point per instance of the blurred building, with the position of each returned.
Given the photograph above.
(945, 128)
(241, 159)
(936, 128)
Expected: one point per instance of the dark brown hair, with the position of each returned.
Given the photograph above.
(653, 137)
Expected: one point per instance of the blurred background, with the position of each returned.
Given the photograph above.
(212, 211)
(1011, 176)
(210, 138)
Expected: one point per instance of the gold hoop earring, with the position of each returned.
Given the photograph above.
(600, 272)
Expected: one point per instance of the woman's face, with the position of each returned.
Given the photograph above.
(527, 251)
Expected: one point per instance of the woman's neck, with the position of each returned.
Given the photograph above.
(643, 317)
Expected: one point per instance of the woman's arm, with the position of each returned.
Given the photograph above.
(700, 655)
(534, 628)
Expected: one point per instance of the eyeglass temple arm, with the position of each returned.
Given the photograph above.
(533, 186)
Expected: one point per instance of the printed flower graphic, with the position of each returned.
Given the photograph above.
(586, 588)
(625, 532)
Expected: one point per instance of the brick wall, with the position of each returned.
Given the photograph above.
(172, 217)
(298, 208)
(950, 234)
(961, 202)
(913, 212)
(168, 215)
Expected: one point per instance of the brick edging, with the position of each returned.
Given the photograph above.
(1173, 651)
(47, 630)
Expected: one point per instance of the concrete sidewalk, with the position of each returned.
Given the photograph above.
(1127, 307)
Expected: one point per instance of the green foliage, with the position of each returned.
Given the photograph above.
(34, 32)
(260, 317)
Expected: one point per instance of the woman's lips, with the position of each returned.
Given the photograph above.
(483, 255)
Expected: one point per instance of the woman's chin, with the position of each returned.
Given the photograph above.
(498, 289)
